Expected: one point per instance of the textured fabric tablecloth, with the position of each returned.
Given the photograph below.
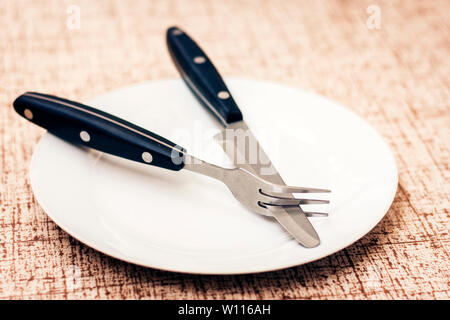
(388, 61)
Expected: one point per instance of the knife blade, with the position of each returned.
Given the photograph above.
(208, 87)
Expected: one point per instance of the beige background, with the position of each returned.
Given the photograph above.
(397, 78)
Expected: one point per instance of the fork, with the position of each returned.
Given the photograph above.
(93, 128)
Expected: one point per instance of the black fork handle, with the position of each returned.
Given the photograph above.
(93, 128)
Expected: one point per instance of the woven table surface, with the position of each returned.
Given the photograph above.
(388, 61)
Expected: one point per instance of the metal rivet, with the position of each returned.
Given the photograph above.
(223, 95)
(28, 114)
(177, 32)
(147, 157)
(199, 59)
(85, 136)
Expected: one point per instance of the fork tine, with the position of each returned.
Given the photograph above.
(307, 213)
(315, 214)
(313, 201)
(278, 201)
(290, 189)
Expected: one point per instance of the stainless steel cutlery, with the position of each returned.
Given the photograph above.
(93, 128)
(254, 181)
(207, 85)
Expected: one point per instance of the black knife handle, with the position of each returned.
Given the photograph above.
(201, 76)
(80, 124)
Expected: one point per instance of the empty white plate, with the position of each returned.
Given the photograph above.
(182, 221)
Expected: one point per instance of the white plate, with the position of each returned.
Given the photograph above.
(182, 221)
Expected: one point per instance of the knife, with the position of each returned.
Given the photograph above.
(207, 85)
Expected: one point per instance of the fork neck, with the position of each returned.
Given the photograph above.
(194, 164)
